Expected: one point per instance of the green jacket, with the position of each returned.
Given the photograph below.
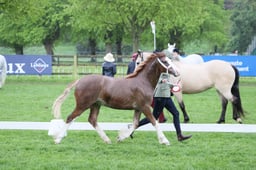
(163, 88)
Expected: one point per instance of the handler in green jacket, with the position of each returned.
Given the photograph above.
(162, 99)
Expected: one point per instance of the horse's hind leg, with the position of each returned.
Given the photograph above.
(224, 103)
(236, 116)
(94, 112)
(178, 96)
(183, 109)
(63, 130)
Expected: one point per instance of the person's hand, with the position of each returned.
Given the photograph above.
(164, 80)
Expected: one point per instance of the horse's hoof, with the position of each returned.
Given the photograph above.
(57, 140)
(108, 142)
(220, 121)
(186, 120)
(239, 120)
(164, 141)
(167, 143)
(120, 139)
(125, 133)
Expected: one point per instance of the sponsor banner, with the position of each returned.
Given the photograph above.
(29, 64)
(245, 64)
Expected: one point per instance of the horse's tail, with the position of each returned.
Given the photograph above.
(56, 107)
(235, 91)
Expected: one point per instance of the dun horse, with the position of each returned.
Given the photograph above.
(133, 92)
(196, 78)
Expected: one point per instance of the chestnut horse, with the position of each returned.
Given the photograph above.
(196, 78)
(133, 92)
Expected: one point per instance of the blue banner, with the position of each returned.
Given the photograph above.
(245, 64)
(29, 64)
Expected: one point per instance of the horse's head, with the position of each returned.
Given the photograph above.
(167, 64)
(156, 62)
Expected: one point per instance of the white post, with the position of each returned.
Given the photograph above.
(153, 26)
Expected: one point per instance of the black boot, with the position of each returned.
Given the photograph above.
(182, 138)
(131, 135)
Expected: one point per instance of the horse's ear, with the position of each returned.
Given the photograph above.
(174, 45)
(169, 44)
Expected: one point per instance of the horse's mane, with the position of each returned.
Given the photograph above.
(141, 66)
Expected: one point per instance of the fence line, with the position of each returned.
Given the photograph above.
(87, 64)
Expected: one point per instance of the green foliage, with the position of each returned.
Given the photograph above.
(18, 23)
(32, 22)
(243, 24)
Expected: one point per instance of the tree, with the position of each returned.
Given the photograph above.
(126, 18)
(17, 24)
(31, 22)
(52, 21)
(243, 24)
(112, 22)
(135, 16)
(186, 21)
(84, 22)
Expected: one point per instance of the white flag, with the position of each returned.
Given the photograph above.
(153, 26)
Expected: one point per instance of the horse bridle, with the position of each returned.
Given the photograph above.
(169, 66)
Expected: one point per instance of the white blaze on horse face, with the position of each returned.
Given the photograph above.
(173, 66)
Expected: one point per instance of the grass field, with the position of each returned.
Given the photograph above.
(29, 98)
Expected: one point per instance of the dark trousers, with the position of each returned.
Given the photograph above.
(160, 104)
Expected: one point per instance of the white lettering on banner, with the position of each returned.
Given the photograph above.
(16, 68)
(239, 63)
(39, 65)
(236, 63)
(243, 68)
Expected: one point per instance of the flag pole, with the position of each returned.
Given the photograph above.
(153, 26)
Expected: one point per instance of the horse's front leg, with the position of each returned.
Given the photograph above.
(127, 131)
(94, 112)
(161, 137)
(178, 96)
